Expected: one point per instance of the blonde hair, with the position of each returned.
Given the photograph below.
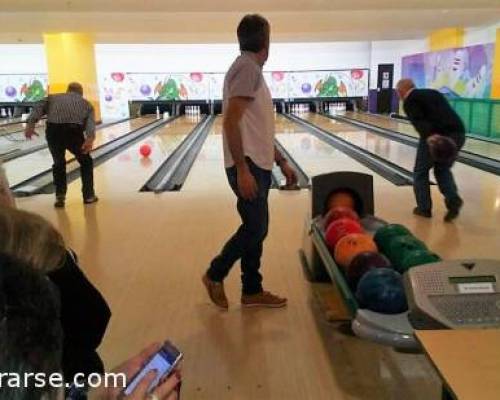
(31, 239)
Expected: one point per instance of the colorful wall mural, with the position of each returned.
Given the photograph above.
(461, 72)
(118, 88)
(23, 88)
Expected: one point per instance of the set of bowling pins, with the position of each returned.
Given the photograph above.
(5, 114)
(300, 108)
(334, 107)
(193, 110)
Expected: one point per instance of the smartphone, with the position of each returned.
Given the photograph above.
(164, 361)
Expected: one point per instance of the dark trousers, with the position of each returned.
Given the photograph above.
(444, 179)
(246, 244)
(62, 137)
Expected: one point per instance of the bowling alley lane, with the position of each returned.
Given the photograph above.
(480, 147)
(10, 121)
(315, 156)
(22, 168)
(126, 172)
(208, 168)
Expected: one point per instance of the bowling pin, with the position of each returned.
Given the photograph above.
(10, 112)
(3, 113)
(157, 112)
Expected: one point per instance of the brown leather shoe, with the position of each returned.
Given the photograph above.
(216, 292)
(263, 299)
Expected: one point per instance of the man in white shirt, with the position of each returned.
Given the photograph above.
(249, 154)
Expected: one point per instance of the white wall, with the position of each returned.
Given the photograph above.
(218, 57)
(22, 59)
(391, 52)
(481, 35)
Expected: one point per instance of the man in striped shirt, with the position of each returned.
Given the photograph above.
(70, 126)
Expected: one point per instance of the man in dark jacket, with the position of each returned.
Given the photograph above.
(430, 113)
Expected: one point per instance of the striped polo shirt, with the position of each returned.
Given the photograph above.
(65, 108)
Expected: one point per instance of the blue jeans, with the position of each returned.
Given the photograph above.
(246, 244)
(444, 179)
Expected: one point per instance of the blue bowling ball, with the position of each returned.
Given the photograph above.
(381, 290)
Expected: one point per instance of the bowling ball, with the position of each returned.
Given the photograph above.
(145, 90)
(351, 245)
(10, 91)
(340, 228)
(385, 234)
(400, 246)
(341, 198)
(118, 76)
(145, 150)
(363, 263)
(196, 76)
(443, 149)
(372, 224)
(417, 257)
(381, 290)
(338, 213)
(306, 88)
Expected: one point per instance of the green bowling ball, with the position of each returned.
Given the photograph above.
(417, 257)
(385, 234)
(401, 246)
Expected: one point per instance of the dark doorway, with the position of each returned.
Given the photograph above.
(384, 88)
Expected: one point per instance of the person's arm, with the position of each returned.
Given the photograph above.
(286, 169)
(39, 110)
(236, 107)
(89, 130)
(416, 114)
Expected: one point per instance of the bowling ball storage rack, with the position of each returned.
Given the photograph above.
(392, 330)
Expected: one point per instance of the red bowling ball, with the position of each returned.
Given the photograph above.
(337, 213)
(145, 150)
(340, 228)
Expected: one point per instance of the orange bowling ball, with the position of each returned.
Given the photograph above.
(351, 245)
(341, 199)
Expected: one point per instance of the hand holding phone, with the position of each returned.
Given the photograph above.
(167, 389)
(157, 368)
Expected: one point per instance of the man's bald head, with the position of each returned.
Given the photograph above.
(403, 87)
(75, 87)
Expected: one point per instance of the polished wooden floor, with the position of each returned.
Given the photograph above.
(147, 252)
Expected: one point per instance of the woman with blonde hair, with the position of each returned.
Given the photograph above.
(32, 240)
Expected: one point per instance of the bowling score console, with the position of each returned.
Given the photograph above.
(443, 295)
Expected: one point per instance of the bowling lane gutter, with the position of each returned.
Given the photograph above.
(466, 157)
(303, 180)
(43, 181)
(172, 173)
(15, 154)
(392, 172)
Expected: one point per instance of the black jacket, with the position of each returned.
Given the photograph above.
(429, 112)
(84, 318)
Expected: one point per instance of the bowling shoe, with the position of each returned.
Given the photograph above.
(216, 292)
(90, 200)
(453, 211)
(422, 213)
(263, 299)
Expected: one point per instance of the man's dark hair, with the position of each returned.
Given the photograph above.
(253, 33)
(30, 329)
(75, 87)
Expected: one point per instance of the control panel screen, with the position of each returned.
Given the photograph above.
(457, 280)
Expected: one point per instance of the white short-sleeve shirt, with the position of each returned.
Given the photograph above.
(245, 79)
